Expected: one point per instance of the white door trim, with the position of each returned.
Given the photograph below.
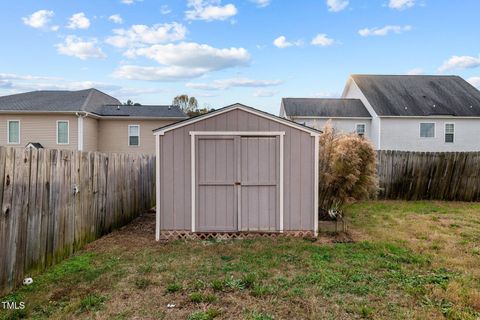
(193, 134)
(157, 189)
(315, 187)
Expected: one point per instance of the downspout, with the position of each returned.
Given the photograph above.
(80, 129)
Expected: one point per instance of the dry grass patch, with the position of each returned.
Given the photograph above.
(395, 269)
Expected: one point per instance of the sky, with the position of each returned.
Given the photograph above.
(225, 51)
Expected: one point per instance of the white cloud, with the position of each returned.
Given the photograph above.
(83, 49)
(165, 9)
(415, 71)
(367, 32)
(185, 60)
(261, 3)
(460, 62)
(322, 40)
(11, 76)
(40, 19)
(281, 42)
(173, 73)
(475, 81)
(209, 10)
(140, 34)
(78, 21)
(116, 18)
(261, 93)
(130, 1)
(401, 4)
(337, 5)
(234, 82)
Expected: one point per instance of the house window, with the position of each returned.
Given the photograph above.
(360, 129)
(63, 132)
(13, 131)
(449, 132)
(133, 135)
(427, 130)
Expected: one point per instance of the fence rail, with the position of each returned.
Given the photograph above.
(54, 201)
(429, 175)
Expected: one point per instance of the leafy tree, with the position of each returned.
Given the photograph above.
(131, 103)
(186, 103)
(189, 105)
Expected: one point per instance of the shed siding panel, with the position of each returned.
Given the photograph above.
(298, 170)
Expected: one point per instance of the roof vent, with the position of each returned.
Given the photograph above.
(471, 107)
(406, 108)
(169, 107)
(118, 107)
(434, 106)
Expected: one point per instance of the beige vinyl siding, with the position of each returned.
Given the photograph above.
(113, 135)
(40, 128)
(90, 134)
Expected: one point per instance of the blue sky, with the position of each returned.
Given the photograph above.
(251, 51)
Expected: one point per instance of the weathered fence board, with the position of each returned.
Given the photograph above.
(44, 220)
(429, 175)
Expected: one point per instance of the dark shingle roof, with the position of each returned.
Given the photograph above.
(90, 100)
(313, 107)
(142, 111)
(392, 95)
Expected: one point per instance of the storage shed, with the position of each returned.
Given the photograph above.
(233, 171)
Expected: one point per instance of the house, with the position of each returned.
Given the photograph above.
(236, 170)
(409, 113)
(85, 120)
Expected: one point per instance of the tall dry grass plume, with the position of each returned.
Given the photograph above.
(348, 168)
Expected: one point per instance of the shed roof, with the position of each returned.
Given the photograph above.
(419, 95)
(161, 130)
(318, 107)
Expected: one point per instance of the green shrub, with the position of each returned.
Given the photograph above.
(174, 287)
(204, 315)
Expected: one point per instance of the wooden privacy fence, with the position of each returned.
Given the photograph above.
(429, 175)
(54, 201)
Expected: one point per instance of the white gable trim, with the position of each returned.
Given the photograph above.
(312, 132)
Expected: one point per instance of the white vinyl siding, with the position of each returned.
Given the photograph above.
(134, 135)
(449, 132)
(13, 131)
(63, 132)
(427, 130)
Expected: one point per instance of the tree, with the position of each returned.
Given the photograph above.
(186, 103)
(131, 103)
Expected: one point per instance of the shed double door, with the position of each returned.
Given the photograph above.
(237, 183)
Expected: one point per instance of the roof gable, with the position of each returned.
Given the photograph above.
(325, 108)
(162, 130)
(403, 95)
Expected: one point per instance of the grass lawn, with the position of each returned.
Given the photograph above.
(408, 260)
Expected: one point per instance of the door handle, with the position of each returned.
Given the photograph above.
(237, 183)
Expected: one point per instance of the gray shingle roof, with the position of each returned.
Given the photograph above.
(142, 111)
(316, 107)
(392, 95)
(90, 100)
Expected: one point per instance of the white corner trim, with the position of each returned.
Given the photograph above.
(80, 132)
(157, 189)
(315, 187)
(282, 141)
(193, 174)
(379, 133)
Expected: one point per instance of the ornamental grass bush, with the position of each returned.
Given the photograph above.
(347, 169)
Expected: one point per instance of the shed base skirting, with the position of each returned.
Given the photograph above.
(188, 235)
